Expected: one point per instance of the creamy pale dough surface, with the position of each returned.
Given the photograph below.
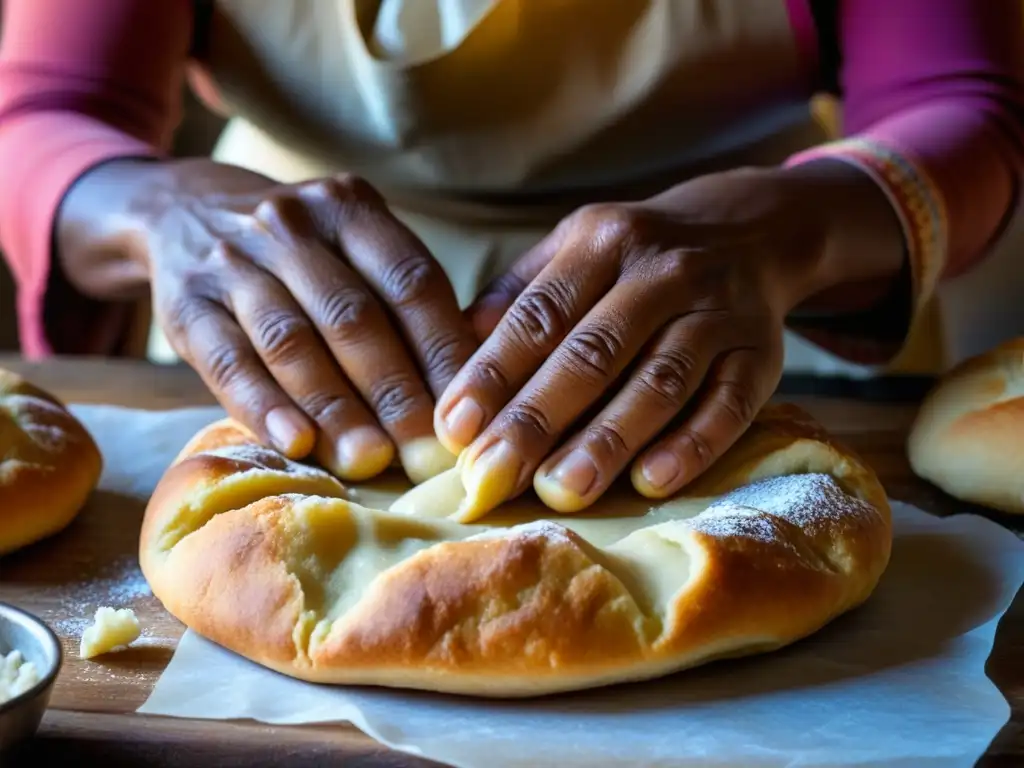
(111, 630)
(341, 546)
(617, 514)
(622, 523)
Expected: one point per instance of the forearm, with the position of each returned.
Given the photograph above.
(42, 154)
(933, 97)
(73, 96)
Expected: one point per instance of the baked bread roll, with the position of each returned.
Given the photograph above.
(49, 464)
(968, 436)
(278, 562)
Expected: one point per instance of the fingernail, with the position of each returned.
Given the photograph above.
(464, 421)
(490, 479)
(363, 452)
(576, 472)
(661, 468)
(287, 430)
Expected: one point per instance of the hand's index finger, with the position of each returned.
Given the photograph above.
(220, 352)
(532, 329)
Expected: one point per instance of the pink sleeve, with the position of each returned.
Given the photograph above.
(933, 110)
(81, 81)
(941, 81)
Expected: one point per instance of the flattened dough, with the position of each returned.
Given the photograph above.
(279, 562)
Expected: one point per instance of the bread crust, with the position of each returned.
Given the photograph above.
(49, 464)
(968, 435)
(262, 556)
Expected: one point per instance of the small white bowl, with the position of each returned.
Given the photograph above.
(21, 631)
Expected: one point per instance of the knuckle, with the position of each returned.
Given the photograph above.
(409, 280)
(223, 256)
(181, 312)
(226, 365)
(345, 187)
(345, 310)
(542, 316)
(593, 353)
(529, 418)
(284, 217)
(700, 446)
(396, 397)
(735, 400)
(272, 212)
(609, 439)
(281, 335)
(668, 376)
(441, 354)
(356, 186)
(224, 266)
(608, 222)
(675, 265)
(326, 408)
(491, 375)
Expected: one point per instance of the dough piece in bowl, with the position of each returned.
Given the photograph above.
(276, 561)
(968, 437)
(49, 464)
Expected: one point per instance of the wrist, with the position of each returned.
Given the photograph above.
(117, 218)
(856, 248)
(100, 234)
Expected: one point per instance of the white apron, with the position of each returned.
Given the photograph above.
(443, 103)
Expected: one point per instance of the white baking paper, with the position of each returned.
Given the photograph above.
(898, 683)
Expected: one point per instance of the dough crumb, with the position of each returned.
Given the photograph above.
(424, 457)
(111, 630)
(16, 676)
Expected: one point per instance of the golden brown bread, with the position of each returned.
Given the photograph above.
(968, 436)
(269, 559)
(49, 464)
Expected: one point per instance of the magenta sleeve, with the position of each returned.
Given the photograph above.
(933, 103)
(942, 82)
(81, 81)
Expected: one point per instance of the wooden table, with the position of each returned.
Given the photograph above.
(93, 708)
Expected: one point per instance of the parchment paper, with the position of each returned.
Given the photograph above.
(898, 683)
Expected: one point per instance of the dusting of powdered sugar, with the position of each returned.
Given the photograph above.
(724, 520)
(806, 501)
(538, 529)
(119, 584)
(264, 458)
(43, 422)
(72, 627)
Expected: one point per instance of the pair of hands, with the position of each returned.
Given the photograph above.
(644, 335)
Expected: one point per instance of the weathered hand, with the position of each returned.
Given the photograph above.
(310, 312)
(647, 333)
